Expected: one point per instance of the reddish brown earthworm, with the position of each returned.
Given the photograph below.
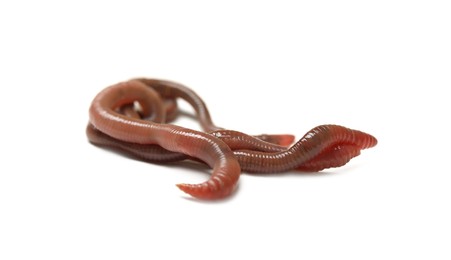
(116, 115)
(214, 152)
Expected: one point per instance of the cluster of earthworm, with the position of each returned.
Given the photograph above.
(134, 117)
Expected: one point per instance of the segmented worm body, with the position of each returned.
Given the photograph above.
(214, 152)
(169, 90)
(247, 149)
(133, 117)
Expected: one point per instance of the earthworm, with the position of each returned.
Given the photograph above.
(214, 152)
(116, 117)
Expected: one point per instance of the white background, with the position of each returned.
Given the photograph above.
(262, 67)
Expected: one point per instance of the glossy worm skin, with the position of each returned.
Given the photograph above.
(170, 106)
(172, 90)
(214, 152)
(155, 153)
(335, 155)
(117, 121)
(318, 140)
(168, 89)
